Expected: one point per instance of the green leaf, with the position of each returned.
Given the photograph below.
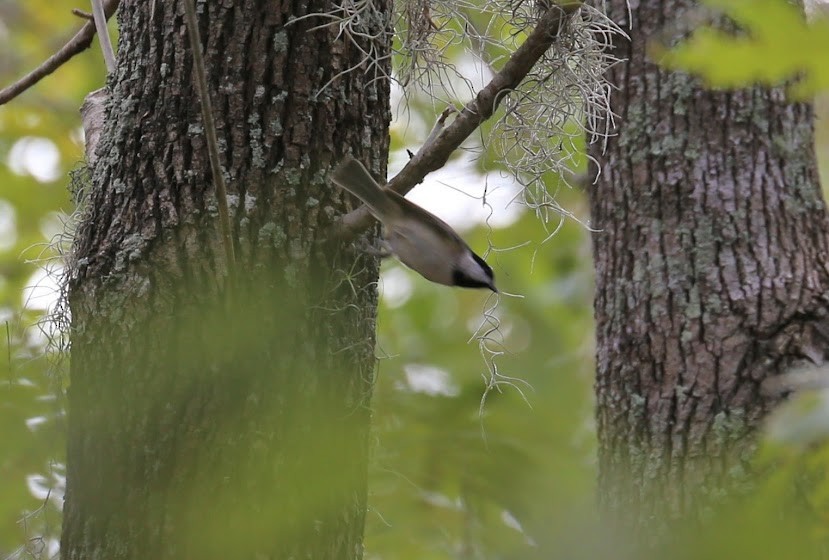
(775, 45)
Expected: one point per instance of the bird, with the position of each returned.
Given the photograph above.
(419, 239)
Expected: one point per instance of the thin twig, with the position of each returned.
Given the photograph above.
(439, 126)
(82, 14)
(435, 153)
(78, 43)
(103, 34)
(210, 134)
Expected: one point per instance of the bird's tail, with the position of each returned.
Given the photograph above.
(352, 176)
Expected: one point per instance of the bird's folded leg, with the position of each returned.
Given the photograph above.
(382, 249)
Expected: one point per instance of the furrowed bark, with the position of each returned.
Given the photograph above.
(198, 431)
(711, 276)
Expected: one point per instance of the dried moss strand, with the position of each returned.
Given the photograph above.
(434, 155)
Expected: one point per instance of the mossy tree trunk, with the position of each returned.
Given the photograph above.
(210, 419)
(711, 275)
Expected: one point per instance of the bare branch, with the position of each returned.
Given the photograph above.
(210, 134)
(83, 15)
(78, 43)
(435, 153)
(100, 19)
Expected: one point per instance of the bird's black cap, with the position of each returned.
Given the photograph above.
(460, 278)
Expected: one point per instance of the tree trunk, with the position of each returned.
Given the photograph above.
(711, 275)
(207, 418)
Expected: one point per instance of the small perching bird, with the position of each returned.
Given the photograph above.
(421, 240)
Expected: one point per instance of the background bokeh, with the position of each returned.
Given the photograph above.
(483, 426)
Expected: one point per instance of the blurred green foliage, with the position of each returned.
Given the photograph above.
(450, 473)
(40, 142)
(774, 44)
(452, 476)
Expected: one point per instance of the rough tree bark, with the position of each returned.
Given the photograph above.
(207, 422)
(711, 275)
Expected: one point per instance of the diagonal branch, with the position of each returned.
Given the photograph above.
(77, 44)
(435, 153)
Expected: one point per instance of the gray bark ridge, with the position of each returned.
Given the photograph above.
(711, 275)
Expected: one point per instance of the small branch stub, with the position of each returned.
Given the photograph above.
(93, 115)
